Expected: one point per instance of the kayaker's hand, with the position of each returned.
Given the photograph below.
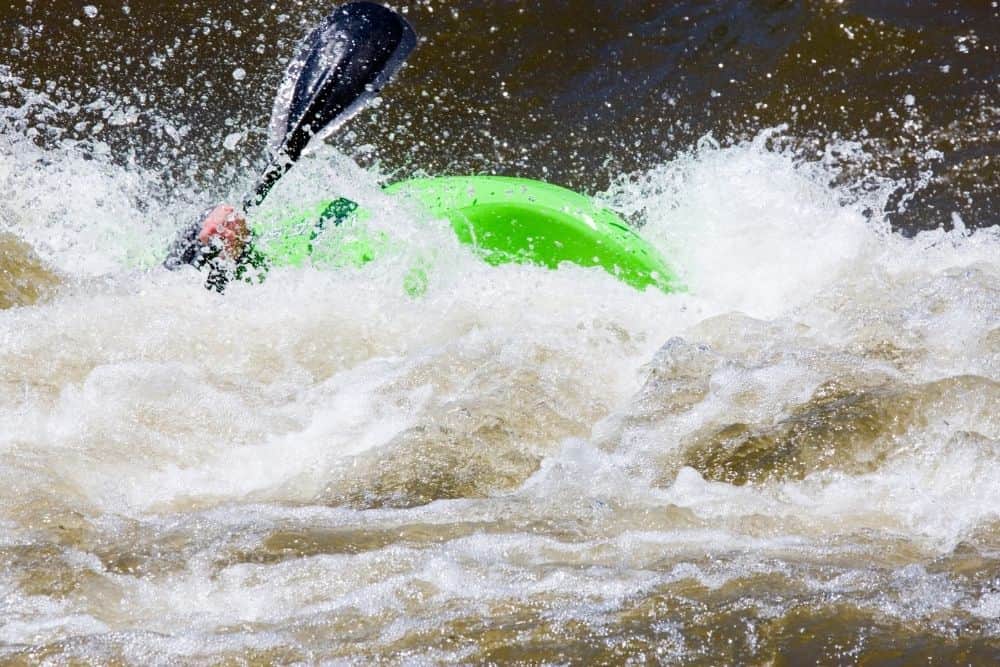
(229, 227)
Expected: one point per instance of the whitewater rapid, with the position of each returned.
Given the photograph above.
(522, 464)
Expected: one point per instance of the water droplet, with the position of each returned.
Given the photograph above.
(90, 11)
(232, 140)
(910, 100)
(239, 74)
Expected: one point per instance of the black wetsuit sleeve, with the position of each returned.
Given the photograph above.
(187, 249)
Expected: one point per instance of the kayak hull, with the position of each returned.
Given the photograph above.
(505, 220)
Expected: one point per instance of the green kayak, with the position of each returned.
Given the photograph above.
(506, 220)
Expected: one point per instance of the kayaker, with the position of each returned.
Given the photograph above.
(340, 67)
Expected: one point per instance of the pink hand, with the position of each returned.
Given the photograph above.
(230, 227)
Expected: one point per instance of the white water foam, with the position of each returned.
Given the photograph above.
(137, 398)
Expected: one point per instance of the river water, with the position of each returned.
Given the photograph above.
(795, 461)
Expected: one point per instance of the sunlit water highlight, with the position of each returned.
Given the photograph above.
(796, 457)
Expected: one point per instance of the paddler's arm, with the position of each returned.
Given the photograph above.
(222, 233)
(221, 245)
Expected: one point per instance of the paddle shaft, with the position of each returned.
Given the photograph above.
(267, 180)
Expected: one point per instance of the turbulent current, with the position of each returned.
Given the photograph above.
(794, 461)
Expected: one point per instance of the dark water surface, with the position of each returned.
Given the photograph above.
(576, 92)
(797, 461)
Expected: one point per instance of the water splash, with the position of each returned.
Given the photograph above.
(322, 466)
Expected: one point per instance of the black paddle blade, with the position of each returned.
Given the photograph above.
(340, 66)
